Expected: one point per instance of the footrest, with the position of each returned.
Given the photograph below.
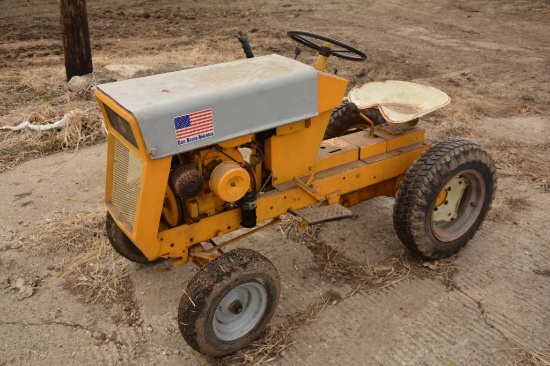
(319, 214)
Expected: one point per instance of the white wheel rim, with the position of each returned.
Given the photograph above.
(465, 207)
(448, 210)
(240, 311)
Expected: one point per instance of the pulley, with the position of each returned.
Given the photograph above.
(229, 181)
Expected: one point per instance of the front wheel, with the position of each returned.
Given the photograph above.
(444, 198)
(229, 302)
(122, 244)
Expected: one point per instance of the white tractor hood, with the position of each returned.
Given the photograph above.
(185, 110)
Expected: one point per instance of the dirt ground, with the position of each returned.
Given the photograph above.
(350, 293)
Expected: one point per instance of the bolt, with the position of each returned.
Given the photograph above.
(153, 152)
(236, 307)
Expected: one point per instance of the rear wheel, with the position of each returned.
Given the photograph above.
(346, 119)
(444, 198)
(229, 302)
(122, 244)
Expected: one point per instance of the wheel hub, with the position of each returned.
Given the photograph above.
(448, 200)
(239, 312)
(236, 307)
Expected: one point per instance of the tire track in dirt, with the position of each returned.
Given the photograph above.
(500, 273)
(413, 322)
(448, 331)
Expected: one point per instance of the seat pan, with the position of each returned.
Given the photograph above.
(398, 101)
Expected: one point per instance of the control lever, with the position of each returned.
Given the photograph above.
(246, 46)
(297, 52)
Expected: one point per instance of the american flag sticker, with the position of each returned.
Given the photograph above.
(194, 126)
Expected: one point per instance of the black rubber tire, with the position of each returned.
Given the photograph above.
(345, 119)
(211, 284)
(122, 244)
(424, 182)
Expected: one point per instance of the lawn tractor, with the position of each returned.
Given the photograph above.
(199, 153)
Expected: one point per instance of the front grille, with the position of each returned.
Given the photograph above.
(121, 125)
(126, 181)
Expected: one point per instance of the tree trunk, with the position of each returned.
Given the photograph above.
(76, 37)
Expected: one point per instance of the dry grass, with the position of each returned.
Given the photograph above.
(84, 128)
(41, 98)
(73, 235)
(442, 270)
(92, 270)
(273, 343)
(505, 210)
(454, 127)
(523, 354)
(522, 160)
(99, 283)
(336, 267)
(542, 6)
(178, 51)
(105, 283)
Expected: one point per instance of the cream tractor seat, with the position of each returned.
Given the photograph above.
(398, 101)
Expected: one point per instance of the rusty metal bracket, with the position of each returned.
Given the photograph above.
(218, 247)
(209, 256)
(333, 197)
(371, 124)
(317, 214)
(396, 129)
(310, 190)
(200, 256)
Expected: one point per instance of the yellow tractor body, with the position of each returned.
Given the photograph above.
(303, 169)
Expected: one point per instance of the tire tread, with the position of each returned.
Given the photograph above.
(347, 115)
(207, 281)
(122, 244)
(422, 179)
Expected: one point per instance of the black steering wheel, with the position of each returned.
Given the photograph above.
(300, 37)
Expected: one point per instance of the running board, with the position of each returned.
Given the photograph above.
(318, 214)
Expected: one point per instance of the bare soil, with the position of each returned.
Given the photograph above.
(350, 293)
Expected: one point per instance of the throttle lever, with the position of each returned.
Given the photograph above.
(246, 46)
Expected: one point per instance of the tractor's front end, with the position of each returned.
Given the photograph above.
(135, 183)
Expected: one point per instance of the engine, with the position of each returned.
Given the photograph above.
(208, 181)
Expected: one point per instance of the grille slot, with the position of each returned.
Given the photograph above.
(126, 181)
